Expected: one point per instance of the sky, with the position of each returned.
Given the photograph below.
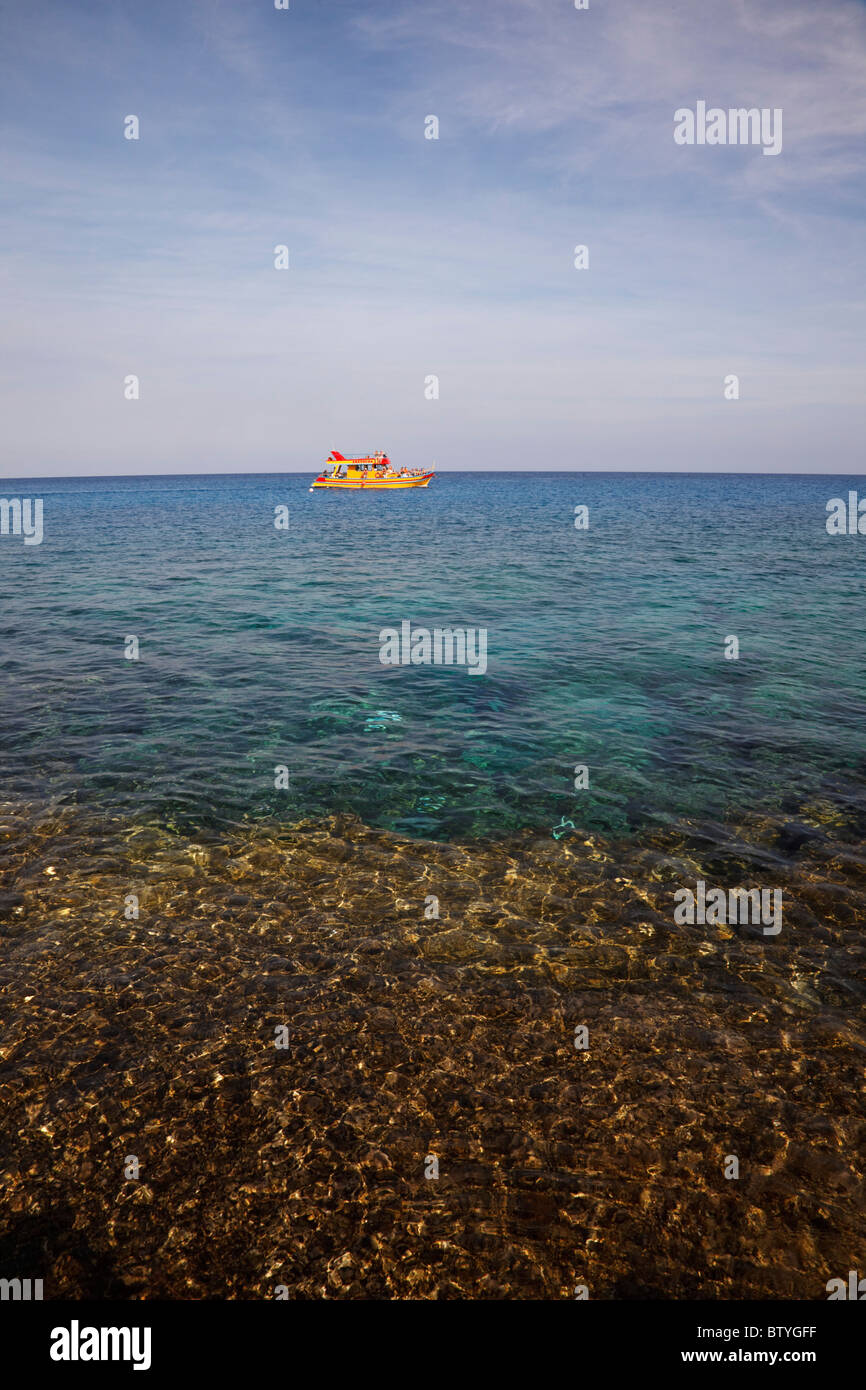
(412, 258)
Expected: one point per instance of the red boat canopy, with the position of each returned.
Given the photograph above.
(376, 460)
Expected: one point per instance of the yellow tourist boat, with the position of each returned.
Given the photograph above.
(374, 471)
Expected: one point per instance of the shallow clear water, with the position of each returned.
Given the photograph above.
(152, 1032)
(606, 647)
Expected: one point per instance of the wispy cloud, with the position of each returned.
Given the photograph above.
(411, 257)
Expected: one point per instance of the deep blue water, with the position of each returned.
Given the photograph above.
(260, 647)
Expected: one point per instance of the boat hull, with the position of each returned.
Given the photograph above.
(371, 484)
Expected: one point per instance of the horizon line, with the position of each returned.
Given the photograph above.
(526, 472)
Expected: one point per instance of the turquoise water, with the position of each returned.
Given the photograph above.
(260, 647)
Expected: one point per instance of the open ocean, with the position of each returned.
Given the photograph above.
(605, 647)
(165, 909)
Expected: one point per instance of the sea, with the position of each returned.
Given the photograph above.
(259, 646)
(382, 974)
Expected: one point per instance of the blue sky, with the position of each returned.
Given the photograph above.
(411, 257)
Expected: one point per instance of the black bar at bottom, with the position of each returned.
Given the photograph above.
(293, 1340)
